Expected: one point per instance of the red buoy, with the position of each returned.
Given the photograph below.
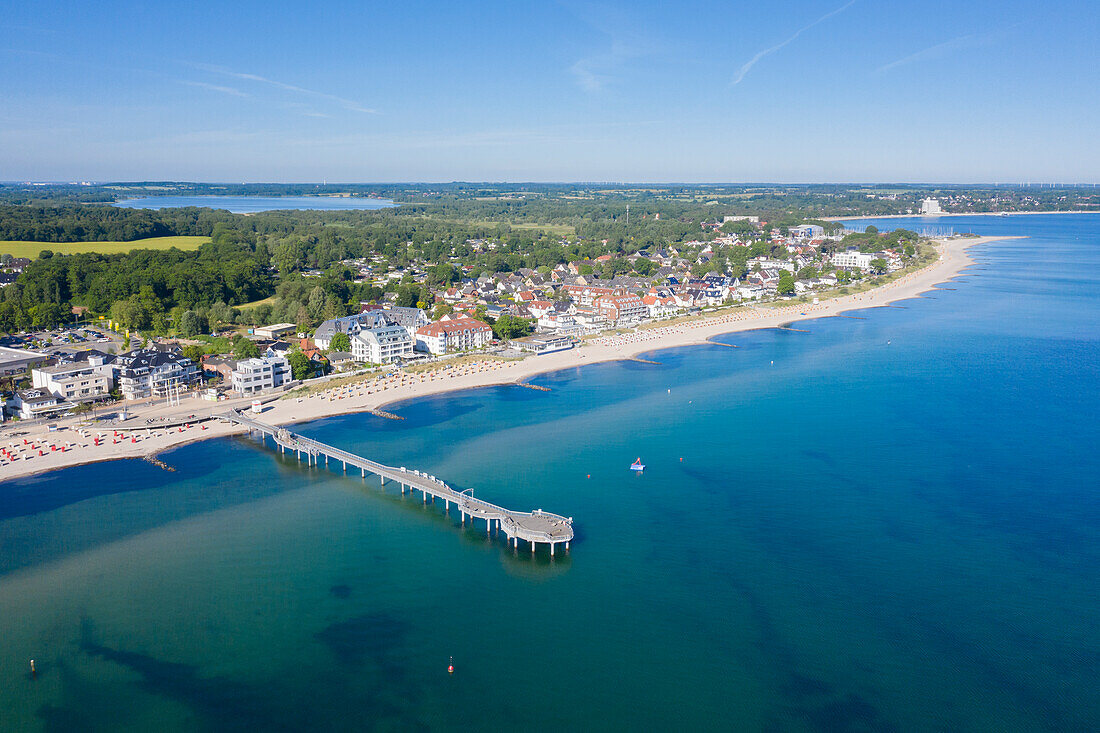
(451, 666)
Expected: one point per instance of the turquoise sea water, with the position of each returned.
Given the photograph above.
(888, 523)
(254, 204)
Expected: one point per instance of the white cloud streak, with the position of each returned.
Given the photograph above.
(216, 88)
(747, 66)
(941, 49)
(348, 104)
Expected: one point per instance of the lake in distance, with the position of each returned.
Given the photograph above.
(255, 204)
(889, 522)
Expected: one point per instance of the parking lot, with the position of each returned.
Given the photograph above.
(78, 338)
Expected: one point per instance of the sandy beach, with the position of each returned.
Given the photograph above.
(36, 450)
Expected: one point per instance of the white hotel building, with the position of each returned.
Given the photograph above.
(853, 258)
(257, 375)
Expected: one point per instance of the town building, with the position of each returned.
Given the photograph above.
(853, 258)
(383, 343)
(407, 317)
(80, 381)
(259, 374)
(807, 231)
(930, 207)
(373, 316)
(275, 331)
(29, 404)
(154, 373)
(587, 294)
(543, 343)
(16, 361)
(621, 309)
(456, 332)
(219, 366)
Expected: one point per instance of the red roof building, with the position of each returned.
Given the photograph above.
(456, 332)
(620, 309)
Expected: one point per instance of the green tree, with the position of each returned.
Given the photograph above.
(191, 324)
(300, 365)
(510, 327)
(786, 285)
(287, 257)
(302, 319)
(879, 265)
(245, 349)
(194, 352)
(442, 309)
(316, 303)
(340, 342)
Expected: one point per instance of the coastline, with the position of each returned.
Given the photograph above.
(945, 214)
(953, 258)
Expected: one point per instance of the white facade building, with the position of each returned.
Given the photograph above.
(853, 258)
(153, 373)
(930, 207)
(75, 382)
(382, 344)
(256, 375)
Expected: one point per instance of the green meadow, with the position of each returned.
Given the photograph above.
(31, 249)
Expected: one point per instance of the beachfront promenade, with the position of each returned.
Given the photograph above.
(537, 527)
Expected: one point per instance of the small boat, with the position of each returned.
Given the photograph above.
(637, 465)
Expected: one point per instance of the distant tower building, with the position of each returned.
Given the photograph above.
(930, 207)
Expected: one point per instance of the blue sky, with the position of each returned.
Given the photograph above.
(786, 91)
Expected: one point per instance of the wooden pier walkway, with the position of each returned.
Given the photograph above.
(536, 527)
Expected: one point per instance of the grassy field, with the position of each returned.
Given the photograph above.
(268, 300)
(555, 229)
(31, 249)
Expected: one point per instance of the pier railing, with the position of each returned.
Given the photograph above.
(532, 527)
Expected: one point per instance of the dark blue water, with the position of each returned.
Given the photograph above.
(894, 526)
(254, 204)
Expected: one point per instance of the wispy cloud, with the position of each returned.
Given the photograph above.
(348, 104)
(594, 72)
(588, 79)
(938, 50)
(747, 66)
(216, 88)
(626, 40)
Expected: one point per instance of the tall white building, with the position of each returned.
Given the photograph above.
(381, 344)
(930, 206)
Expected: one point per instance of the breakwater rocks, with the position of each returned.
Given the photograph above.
(387, 415)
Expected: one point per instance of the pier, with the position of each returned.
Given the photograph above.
(535, 527)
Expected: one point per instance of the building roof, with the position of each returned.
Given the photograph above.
(451, 324)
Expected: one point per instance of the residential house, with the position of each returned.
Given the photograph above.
(29, 404)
